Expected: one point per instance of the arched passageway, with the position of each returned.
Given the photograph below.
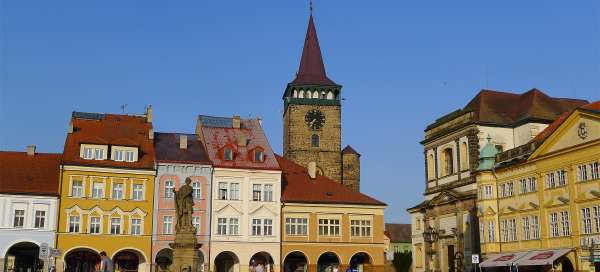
(23, 257)
(128, 260)
(360, 262)
(295, 262)
(82, 260)
(227, 261)
(261, 262)
(163, 259)
(328, 262)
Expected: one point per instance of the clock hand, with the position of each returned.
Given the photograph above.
(312, 122)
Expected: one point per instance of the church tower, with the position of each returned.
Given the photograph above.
(312, 113)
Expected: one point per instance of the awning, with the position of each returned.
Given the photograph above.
(542, 257)
(502, 259)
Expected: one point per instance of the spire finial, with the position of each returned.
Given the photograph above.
(489, 138)
(310, 7)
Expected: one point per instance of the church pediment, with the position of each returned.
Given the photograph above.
(445, 197)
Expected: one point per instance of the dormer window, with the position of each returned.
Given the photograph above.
(87, 153)
(259, 155)
(124, 153)
(93, 152)
(129, 156)
(118, 155)
(227, 154)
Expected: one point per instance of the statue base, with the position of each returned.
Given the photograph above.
(185, 252)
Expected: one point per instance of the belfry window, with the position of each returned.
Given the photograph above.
(448, 162)
(314, 140)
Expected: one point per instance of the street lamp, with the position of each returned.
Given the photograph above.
(430, 235)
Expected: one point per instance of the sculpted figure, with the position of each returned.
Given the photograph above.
(184, 204)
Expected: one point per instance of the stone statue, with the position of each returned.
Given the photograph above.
(184, 204)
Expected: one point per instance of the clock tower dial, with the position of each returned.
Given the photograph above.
(315, 119)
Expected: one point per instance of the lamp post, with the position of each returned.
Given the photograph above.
(430, 235)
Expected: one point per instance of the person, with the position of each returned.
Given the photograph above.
(260, 268)
(106, 264)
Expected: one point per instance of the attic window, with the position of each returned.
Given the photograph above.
(227, 154)
(259, 155)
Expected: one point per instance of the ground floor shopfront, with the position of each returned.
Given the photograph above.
(20, 250)
(244, 257)
(556, 260)
(332, 257)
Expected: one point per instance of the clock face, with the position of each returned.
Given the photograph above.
(315, 119)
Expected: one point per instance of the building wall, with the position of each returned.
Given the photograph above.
(344, 246)
(165, 206)
(244, 245)
(9, 235)
(106, 208)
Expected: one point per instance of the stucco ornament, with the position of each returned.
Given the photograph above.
(184, 204)
(582, 131)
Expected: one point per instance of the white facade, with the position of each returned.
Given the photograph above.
(245, 222)
(11, 207)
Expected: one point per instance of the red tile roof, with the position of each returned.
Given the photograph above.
(167, 149)
(312, 68)
(109, 129)
(399, 233)
(34, 175)
(298, 187)
(504, 108)
(595, 106)
(218, 132)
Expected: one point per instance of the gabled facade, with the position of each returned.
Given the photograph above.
(544, 197)
(246, 190)
(28, 202)
(107, 191)
(180, 156)
(451, 151)
(327, 226)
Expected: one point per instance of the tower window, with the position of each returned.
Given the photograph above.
(308, 94)
(314, 140)
(330, 95)
(301, 94)
(448, 162)
(227, 154)
(295, 93)
(315, 94)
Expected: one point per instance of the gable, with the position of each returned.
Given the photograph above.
(229, 210)
(262, 211)
(579, 128)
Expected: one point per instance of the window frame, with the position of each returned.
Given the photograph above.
(39, 221)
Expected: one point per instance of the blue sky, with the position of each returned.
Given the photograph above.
(402, 64)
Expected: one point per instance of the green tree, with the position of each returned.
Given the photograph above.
(402, 261)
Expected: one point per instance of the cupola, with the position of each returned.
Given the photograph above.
(487, 156)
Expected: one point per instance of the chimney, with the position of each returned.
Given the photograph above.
(312, 169)
(199, 134)
(30, 150)
(241, 139)
(70, 129)
(183, 141)
(151, 134)
(236, 121)
(149, 114)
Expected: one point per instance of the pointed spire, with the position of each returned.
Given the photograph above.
(312, 68)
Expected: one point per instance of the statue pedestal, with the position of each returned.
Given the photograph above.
(185, 252)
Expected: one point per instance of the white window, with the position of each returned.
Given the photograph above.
(138, 192)
(235, 191)
(504, 230)
(168, 225)
(95, 225)
(268, 192)
(136, 226)
(360, 228)
(19, 219)
(256, 191)
(115, 225)
(256, 227)
(296, 226)
(169, 186)
(554, 225)
(98, 190)
(77, 188)
(526, 233)
(532, 184)
(88, 153)
(587, 220)
(197, 190)
(523, 183)
(535, 227)
(223, 190)
(482, 232)
(74, 223)
(596, 210)
(550, 183)
(129, 156)
(562, 177)
(487, 191)
(222, 226)
(117, 192)
(118, 155)
(329, 227)
(594, 173)
(564, 218)
(234, 226)
(40, 219)
(512, 224)
(98, 153)
(491, 232)
(582, 172)
(227, 154)
(196, 223)
(267, 227)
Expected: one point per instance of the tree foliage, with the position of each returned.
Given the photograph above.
(402, 261)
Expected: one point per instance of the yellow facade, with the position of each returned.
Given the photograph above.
(130, 209)
(344, 245)
(529, 205)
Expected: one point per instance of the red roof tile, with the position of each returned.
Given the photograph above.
(218, 132)
(298, 187)
(109, 129)
(312, 68)
(167, 149)
(399, 233)
(24, 174)
(595, 106)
